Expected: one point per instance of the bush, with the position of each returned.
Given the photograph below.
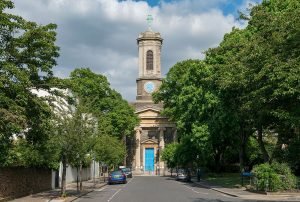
(274, 177)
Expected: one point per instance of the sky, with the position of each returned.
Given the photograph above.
(101, 34)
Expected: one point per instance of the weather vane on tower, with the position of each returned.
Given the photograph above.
(149, 21)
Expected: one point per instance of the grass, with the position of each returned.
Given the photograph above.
(231, 180)
(227, 180)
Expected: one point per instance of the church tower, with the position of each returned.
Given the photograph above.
(149, 80)
(154, 130)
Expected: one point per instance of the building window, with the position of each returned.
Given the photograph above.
(149, 60)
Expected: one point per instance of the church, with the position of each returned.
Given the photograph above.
(154, 130)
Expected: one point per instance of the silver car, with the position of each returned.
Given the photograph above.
(127, 172)
(182, 175)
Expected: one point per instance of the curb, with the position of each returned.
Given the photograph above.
(235, 195)
(215, 189)
(76, 197)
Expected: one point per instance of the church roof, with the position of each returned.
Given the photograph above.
(141, 106)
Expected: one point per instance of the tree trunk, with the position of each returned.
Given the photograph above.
(262, 145)
(80, 176)
(217, 161)
(242, 156)
(124, 140)
(77, 178)
(63, 177)
(243, 139)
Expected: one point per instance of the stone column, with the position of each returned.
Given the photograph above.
(161, 147)
(138, 149)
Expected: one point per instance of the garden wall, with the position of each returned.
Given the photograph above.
(16, 182)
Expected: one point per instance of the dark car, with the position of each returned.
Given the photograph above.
(117, 177)
(127, 172)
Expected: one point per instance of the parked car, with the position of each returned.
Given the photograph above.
(182, 175)
(127, 172)
(117, 177)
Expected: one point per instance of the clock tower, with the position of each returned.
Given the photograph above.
(154, 129)
(149, 79)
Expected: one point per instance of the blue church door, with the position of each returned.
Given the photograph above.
(149, 159)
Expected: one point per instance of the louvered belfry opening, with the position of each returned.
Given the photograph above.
(149, 60)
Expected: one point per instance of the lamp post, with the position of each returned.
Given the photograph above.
(198, 169)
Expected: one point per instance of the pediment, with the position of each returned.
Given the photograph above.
(149, 141)
(149, 112)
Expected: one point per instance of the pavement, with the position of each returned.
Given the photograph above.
(71, 190)
(242, 193)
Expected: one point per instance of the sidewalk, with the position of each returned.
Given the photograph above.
(244, 194)
(72, 194)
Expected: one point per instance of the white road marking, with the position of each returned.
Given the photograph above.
(119, 190)
(113, 195)
(101, 189)
(129, 181)
(195, 190)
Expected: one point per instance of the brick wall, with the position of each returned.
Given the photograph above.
(16, 182)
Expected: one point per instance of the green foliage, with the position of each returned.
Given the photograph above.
(109, 150)
(190, 98)
(168, 155)
(274, 177)
(293, 154)
(115, 116)
(27, 55)
(248, 85)
(186, 95)
(193, 149)
(75, 131)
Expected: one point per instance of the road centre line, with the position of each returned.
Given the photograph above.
(119, 190)
(113, 195)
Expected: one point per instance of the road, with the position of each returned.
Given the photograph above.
(155, 189)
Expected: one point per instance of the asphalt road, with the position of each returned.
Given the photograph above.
(155, 189)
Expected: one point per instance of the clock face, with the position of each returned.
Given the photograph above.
(149, 87)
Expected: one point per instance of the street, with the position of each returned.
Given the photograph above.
(149, 189)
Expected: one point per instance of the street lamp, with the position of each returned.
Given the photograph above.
(198, 169)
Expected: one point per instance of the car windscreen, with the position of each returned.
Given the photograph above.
(117, 173)
(126, 169)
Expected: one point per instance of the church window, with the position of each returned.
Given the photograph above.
(149, 60)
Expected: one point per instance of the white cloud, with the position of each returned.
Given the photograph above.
(101, 34)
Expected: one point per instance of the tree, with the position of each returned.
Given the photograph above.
(109, 150)
(168, 156)
(191, 99)
(115, 116)
(27, 55)
(75, 132)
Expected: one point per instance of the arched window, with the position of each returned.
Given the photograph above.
(149, 60)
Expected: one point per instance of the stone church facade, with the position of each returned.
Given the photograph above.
(155, 130)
